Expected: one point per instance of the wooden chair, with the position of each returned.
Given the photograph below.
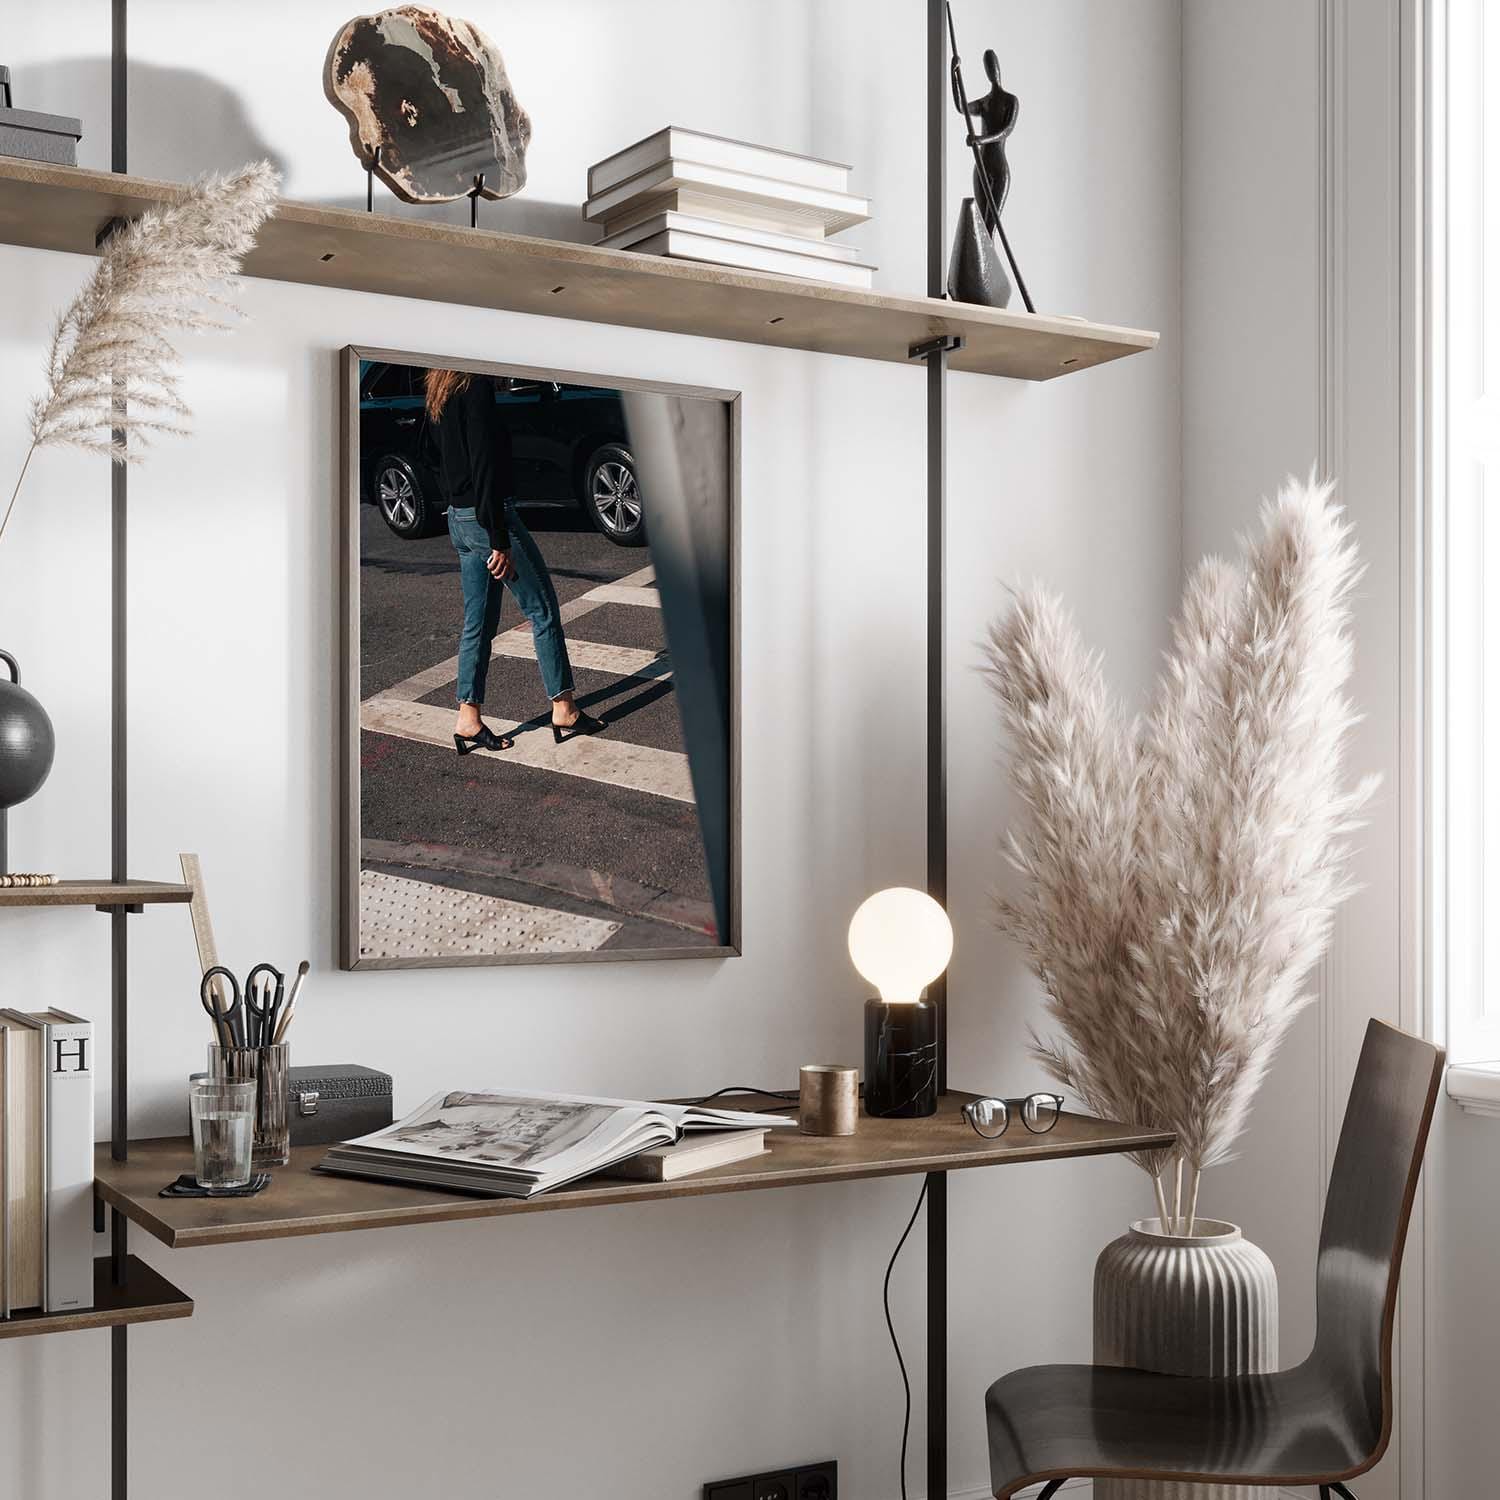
(1322, 1423)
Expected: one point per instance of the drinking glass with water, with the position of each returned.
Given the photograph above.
(223, 1131)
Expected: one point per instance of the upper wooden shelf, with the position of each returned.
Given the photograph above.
(63, 208)
(97, 893)
(302, 1202)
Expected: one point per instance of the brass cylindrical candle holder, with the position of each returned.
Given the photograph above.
(828, 1100)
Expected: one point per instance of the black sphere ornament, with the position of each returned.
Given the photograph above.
(27, 745)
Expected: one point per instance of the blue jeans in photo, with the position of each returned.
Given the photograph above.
(483, 594)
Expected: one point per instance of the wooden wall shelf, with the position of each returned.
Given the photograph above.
(98, 893)
(63, 208)
(146, 1297)
(301, 1202)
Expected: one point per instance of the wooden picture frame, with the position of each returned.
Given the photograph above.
(351, 956)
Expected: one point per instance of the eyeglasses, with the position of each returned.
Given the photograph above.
(991, 1117)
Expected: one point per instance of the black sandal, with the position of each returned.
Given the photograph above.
(486, 739)
(583, 724)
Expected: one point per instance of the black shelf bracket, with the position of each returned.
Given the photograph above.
(108, 229)
(948, 343)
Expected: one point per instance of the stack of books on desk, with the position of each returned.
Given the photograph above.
(46, 1162)
(691, 196)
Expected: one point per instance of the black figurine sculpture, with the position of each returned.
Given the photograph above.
(995, 116)
(975, 273)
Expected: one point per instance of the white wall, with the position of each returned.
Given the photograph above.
(646, 1348)
(1250, 416)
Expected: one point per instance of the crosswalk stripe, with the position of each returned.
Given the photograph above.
(592, 656)
(640, 768)
(620, 593)
(642, 578)
(636, 585)
(401, 918)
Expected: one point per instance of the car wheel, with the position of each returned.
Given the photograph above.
(612, 496)
(399, 494)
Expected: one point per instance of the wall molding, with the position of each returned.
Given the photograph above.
(1372, 99)
(1333, 212)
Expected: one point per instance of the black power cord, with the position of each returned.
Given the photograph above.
(885, 1291)
(885, 1296)
(740, 1088)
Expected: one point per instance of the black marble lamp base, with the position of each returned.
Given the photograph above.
(900, 1059)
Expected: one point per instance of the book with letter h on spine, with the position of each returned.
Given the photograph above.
(46, 1161)
(502, 1144)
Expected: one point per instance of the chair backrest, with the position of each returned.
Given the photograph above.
(1365, 1218)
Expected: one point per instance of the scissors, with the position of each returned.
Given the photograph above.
(265, 988)
(229, 1021)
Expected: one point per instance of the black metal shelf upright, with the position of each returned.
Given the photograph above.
(119, 917)
(935, 357)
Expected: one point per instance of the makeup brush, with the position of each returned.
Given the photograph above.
(291, 1002)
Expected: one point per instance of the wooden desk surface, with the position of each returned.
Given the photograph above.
(299, 1201)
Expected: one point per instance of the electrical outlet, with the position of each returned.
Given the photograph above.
(775, 1487)
(818, 1482)
(810, 1482)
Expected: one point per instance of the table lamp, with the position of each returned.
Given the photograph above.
(900, 940)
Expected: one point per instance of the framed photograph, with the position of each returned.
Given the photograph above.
(539, 665)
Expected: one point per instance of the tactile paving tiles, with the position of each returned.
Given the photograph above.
(400, 918)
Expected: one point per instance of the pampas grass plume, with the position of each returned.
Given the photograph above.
(1179, 874)
(111, 376)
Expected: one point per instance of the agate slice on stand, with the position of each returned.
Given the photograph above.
(430, 91)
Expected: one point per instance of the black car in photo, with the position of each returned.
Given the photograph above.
(569, 443)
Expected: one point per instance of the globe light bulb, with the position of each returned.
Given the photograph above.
(900, 940)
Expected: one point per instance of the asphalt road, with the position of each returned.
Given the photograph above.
(496, 826)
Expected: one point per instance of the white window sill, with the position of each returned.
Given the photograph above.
(1476, 1086)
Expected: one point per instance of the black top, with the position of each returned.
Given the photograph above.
(477, 464)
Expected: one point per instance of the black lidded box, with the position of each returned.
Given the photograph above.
(337, 1102)
(37, 137)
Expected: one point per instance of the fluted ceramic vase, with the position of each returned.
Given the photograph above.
(1203, 1304)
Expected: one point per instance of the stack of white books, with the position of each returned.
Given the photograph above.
(691, 196)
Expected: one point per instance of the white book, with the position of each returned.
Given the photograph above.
(717, 151)
(727, 212)
(796, 244)
(702, 247)
(70, 1161)
(826, 212)
(691, 1155)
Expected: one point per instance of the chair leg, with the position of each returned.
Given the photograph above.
(1325, 1490)
(1051, 1487)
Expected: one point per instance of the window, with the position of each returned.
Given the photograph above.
(1465, 523)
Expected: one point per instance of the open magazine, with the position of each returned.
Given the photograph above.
(517, 1145)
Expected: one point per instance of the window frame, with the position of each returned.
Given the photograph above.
(1464, 547)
